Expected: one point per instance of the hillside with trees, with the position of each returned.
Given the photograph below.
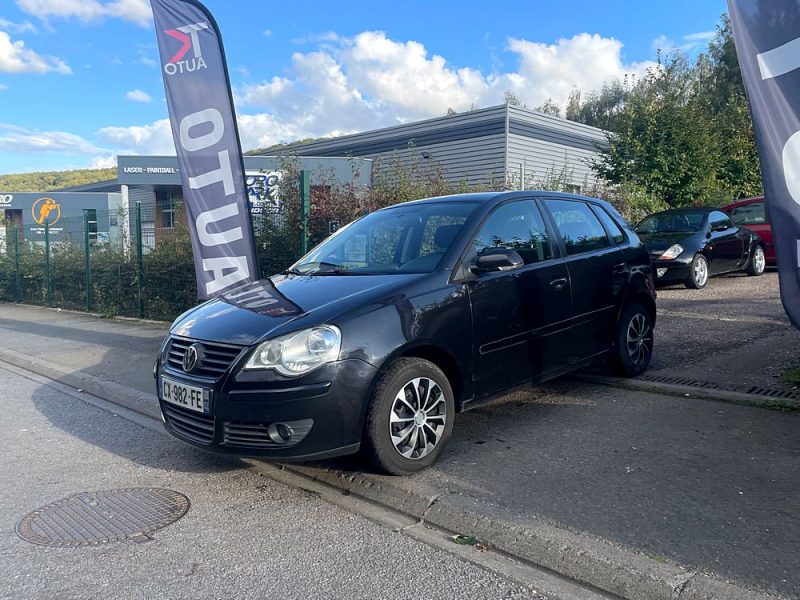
(43, 181)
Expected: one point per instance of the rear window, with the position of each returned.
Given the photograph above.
(578, 226)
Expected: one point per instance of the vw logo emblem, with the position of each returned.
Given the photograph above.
(190, 358)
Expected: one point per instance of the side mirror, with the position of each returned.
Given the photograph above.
(497, 259)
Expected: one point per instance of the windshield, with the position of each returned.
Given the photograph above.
(410, 238)
(682, 222)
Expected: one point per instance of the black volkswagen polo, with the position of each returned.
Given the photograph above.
(382, 333)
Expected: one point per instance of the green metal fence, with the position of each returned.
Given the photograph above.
(77, 265)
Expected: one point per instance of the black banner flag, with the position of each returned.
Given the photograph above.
(207, 143)
(767, 36)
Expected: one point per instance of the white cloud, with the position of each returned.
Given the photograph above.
(31, 141)
(155, 138)
(139, 96)
(135, 11)
(12, 27)
(370, 81)
(16, 58)
(690, 42)
(267, 33)
(316, 38)
(3, 87)
(103, 162)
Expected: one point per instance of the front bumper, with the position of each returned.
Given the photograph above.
(672, 271)
(325, 408)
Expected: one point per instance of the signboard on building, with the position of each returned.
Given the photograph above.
(263, 192)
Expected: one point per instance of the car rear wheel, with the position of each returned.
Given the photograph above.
(698, 272)
(410, 417)
(758, 262)
(634, 343)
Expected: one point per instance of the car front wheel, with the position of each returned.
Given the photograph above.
(410, 417)
(698, 272)
(758, 262)
(634, 343)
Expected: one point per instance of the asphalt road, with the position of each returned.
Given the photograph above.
(245, 536)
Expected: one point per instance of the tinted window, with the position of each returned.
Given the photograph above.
(717, 219)
(611, 226)
(578, 226)
(685, 221)
(517, 226)
(749, 214)
(409, 238)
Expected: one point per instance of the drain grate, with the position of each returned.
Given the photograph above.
(91, 518)
(742, 389)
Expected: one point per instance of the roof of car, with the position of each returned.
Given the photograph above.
(742, 201)
(672, 211)
(498, 195)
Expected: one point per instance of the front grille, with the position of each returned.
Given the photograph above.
(189, 424)
(213, 359)
(247, 435)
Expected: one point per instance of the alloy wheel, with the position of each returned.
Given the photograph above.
(640, 339)
(418, 417)
(700, 271)
(759, 260)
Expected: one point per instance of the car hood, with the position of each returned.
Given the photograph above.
(283, 303)
(661, 241)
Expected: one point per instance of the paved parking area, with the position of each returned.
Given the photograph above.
(733, 331)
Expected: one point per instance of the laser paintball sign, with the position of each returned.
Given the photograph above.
(767, 36)
(207, 143)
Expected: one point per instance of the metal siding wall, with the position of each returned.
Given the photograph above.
(148, 200)
(541, 157)
(479, 161)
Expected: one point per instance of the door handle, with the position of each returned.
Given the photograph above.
(620, 267)
(558, 284)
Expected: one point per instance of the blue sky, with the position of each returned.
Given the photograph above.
(79, 81)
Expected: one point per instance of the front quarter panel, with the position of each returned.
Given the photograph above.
(438, 317)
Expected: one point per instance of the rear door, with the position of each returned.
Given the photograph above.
(520, 318)
(597, 270)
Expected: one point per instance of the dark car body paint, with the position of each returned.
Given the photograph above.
(431, 315)
(725, 251)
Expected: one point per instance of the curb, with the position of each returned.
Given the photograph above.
(585, 559)
(672, 389)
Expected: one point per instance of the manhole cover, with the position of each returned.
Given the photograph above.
(91, 518)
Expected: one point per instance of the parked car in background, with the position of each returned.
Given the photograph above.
(378, 336)
(752, 213)
(689, 245)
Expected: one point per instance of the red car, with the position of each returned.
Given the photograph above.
(751, 213)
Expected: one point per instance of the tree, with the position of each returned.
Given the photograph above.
(682, 132)
(549, 107)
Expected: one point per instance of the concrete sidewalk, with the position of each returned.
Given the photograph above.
(641, 495)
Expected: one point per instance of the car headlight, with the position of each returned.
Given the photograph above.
(298, 352)
(674, 251)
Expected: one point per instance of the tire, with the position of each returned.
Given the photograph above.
(757, 262)
(698, 273)
(634, 341)
(404, 453)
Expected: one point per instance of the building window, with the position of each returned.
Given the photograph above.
(165, 204)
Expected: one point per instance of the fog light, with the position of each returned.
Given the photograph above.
(660, 272)
(280, 433)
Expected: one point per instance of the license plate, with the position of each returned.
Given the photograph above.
(192, 397)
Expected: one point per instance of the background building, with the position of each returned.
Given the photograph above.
(501, 146)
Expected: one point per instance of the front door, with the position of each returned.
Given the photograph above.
(727, 243)
(520, 318)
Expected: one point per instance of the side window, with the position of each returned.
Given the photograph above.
(749, 214)
(578, 226)
(517, 226)
(717, 219)
(612, 228)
